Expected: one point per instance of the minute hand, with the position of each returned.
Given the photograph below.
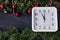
(43, 16)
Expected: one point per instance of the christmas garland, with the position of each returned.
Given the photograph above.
(25, 6)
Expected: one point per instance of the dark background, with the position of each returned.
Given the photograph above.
(10, 20)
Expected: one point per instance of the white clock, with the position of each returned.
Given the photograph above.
(44, 19)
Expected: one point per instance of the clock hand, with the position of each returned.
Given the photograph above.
(43, 17)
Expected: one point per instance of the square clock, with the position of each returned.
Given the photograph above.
(44, 19)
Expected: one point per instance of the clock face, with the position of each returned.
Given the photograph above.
(44, 19)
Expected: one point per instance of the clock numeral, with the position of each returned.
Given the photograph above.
(36, 19)
(44, 27)
(52, 14)
(48, 11)
(52, 19)
(35, 14)
(36, 24)
(49, 27)
(39, 27)
(52, 24)
(39, 11)
(44, 11)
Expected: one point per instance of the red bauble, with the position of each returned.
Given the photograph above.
(36, 5)
(53, 5)
(13, 6)
(17, 14)
(29, 11)
(2, 6)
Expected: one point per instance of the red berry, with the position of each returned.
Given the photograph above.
(29, 11)
(53, 5)
(14, 6)
(16, 14)
(2, 6)
(36, 5)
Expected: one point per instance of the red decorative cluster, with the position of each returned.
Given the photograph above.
(36, 5)
(29, 11)
(53, 5)
(2, 6)
(13, 6)
(17, 14)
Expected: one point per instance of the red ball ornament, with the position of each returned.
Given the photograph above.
(53, 5)
(29, 11)
(13, 6)
(36, 5)
(17, 14)
(2, 6)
